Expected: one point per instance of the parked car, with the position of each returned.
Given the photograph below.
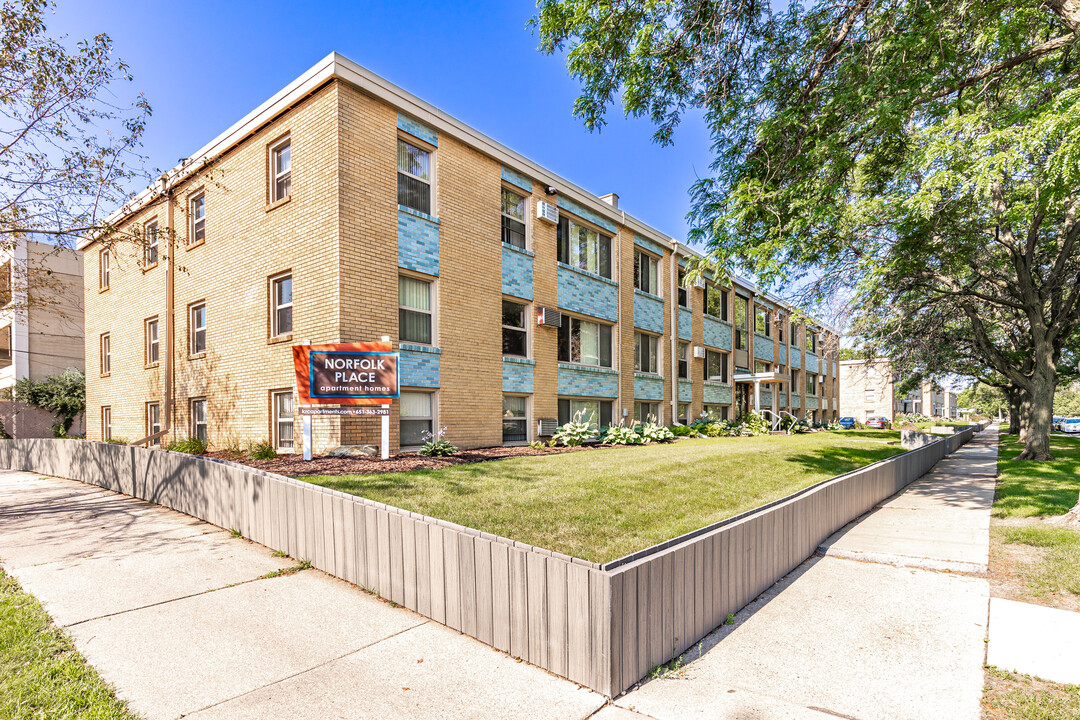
(877, 422)
(846, 422)
(1055, 424)
(1069, 425)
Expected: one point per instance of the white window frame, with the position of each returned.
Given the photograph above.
(653, 273)
(106, 422)
(152, 343)
(433, 418)
(524, 329)
(150, 232)
(275, 177)
(193, 330)
(432, 310)
(430, 182)
(104, 268)
(640, 404)
(275, 330)
(524, 220)
(151, 426)
(195, 220)
(525, 417)
(568, 324)
(654, 341)
(194, 425)
(683, 349)
(105, 351)
(277, 420)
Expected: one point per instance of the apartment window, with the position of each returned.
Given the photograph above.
(150, 251)
(646, 273)
(684, 412)
(811, 341)
(153, 421)
(810, 383)
(514, 419)
(684, 292)
(5, 347)
(646, 353)
(152, 343)
(414, 177)
(198, 419)
(762, 321)
(106, 354)
(197, 325)
(417, 419)
(742, 311)
(197, 215)
(281, 305)
(646, 412)
(585, 342)
(716, 302)
(596, 412)
(761, 367)
(781, 321)
(513, 219)
(414, 310)
(794, 380)
(104, 263)
(869, 396)
(514, 335)
(716, 366)
(584, 248)
(106, 422)
(280, 170)
(282, 402)
(717, 412)
(684, 360)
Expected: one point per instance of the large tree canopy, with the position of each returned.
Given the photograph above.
(925, 154)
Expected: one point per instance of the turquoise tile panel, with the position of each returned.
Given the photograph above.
(648, 312)
(763, 347)
(417, 129)
(686, 324)
(796, 358)
(686, 390)
(796, 401)
(648, 387)
(419, 366)
(717, 394)
(717, 333)
(418, 242)
(811, 363)
(517, 272)
(783, 354)
(584, 381)
(517, 375)
(515, 178)
(650, 245)
(584, 212)
(811, 403)
(588, 294)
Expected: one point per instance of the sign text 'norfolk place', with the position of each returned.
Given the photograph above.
(346, 374)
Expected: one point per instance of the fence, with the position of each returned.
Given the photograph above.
(603, 627)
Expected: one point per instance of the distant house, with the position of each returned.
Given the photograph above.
(870, 388)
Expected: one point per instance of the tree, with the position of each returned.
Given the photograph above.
(985, 399)
(1067, 401)
(923, 153)
(63, 394)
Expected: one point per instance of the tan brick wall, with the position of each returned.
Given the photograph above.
(856, 379)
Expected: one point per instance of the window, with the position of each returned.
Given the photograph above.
(717, 412)
(281, 305)
(716, 366)
(585, 342)
(150, 251)
(152, 344)
(197, 216)
(811, 341)
(198, 419)
(282, 402)
(197, 325)
(515, 420)
(513, 219)
(647, 412)
(869, 396)
(761, 367)
(514, 335)
(742, 310)
(684, 412)
(684, 360)
(794, 380)
(280, 170)
(646, 273)
(5, 346)
(595, 412)
(810, 381)
(646, 353)
(417, 419)
(106, 422)
(762, 321)
(106, 354)
(414, 177)
(684, 292)
(414, 310)
(104, 262)
(584, 248)
(153, 421)
(716, 302)
(781, 321)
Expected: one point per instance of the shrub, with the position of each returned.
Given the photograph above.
(620, 435)
(789, 423)
(712, 430)
(261, 450)
(117, 441)
(190, 445)
(683, 431)
(437, 445)
(752, 424)
(577, 431)
(651, 432)
(537, 444)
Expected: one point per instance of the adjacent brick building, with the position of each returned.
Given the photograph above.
(521, 298)
(872, 389)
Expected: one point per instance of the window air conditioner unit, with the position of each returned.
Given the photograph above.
(699, 352)
(546, 427)
(549, 317)
(547, 212)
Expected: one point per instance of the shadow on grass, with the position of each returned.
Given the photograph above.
(1029, 489)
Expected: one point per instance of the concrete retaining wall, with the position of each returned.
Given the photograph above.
(603, 627)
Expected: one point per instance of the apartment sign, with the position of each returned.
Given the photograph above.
(346, 374)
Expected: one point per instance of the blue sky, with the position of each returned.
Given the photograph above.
(204, 65)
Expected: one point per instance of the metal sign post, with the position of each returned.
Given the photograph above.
(306, 419)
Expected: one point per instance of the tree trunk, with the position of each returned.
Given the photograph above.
(1013, 396)
(1040, 401)
(1024, 407)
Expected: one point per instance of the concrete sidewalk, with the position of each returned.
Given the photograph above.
(865, 632)
(181, 617)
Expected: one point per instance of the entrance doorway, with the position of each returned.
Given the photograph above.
(742, 399)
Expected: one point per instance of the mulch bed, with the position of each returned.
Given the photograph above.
(294, 465)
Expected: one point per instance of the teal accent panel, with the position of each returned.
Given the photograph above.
(811, 403)
(417, 129)
(717, 333)
(517, 375)
(584, 212)
(811, 363)
(588, 294)
(648, 312)
(517, 272)
(515, 178)
(783, 399)
(418, 242)
(766, 399)
(686, 324)
(648, 387)
(650, 245)
(717, 394)
(686, 390)
(796, 401)
(796, 358)
(763, 347)
(585, 381)
(419, 366)
(783, 354)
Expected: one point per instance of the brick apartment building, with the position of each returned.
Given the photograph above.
(871, 389)
(520, 297)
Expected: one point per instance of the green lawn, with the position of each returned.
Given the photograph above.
(600, 505)
(1029, 489)
(41, 673)
(1022, 697)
